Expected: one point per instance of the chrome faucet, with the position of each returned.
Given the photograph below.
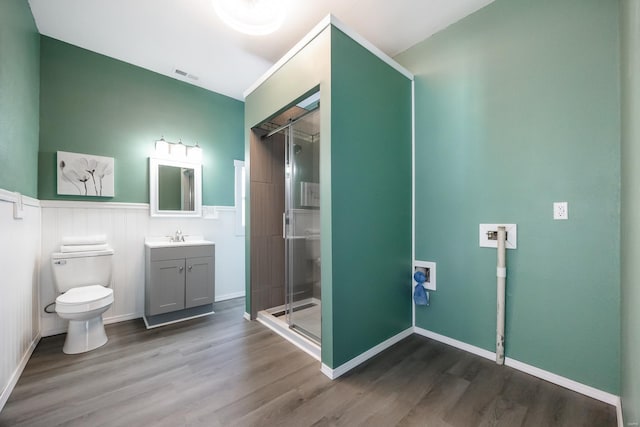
(179, 237)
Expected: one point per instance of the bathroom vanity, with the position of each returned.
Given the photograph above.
(179, 280)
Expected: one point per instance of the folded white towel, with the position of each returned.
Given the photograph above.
(97, 239)
(83, 248)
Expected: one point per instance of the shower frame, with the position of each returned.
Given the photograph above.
(284, 135)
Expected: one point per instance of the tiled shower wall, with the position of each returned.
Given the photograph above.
(267, 205)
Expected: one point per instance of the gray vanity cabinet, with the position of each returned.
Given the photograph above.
(179, 283)
(166, 292)
(199, 282)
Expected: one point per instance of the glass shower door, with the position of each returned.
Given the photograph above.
(302, 226)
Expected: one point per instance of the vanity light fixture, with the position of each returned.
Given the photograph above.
(253, 17)
(177, 151)
(162, 147)
(194, 153)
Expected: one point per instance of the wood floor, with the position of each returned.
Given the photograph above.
(224, 371)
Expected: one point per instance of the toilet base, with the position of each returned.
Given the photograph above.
(84, 335)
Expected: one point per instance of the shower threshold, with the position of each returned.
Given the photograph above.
(274, 319)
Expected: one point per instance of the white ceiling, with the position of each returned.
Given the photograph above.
(162, 35)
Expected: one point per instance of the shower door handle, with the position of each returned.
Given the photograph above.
(284, 225)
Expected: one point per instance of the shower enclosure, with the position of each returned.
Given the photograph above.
(290, 143)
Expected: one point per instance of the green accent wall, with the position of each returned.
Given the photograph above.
(93, 104)
(365, 187)
(19, 98)
(517, 107)
(371, 199)
(630, 212)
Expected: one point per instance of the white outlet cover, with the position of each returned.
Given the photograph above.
(512, 235)
(560, 210)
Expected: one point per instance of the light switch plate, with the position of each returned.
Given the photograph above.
(209, 212)
(512, 235)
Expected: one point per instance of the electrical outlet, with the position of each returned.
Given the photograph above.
(560, 210)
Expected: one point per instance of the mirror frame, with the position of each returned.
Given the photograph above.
(154, 163)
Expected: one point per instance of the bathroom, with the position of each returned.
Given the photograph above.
(465, 119)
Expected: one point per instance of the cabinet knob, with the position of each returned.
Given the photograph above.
(181, 268)
(190, 267)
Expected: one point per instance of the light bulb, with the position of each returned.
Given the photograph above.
(162, 148)
(178, 150)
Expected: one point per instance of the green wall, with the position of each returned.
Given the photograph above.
(518, 106)
(630, 212)
(93, 104)
(365, 187)
(371, 199)
(19, 98)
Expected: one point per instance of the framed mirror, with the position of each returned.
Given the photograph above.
(175, 188)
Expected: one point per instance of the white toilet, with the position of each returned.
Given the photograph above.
(83, 280)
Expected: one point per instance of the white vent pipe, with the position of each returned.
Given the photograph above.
(501, 274)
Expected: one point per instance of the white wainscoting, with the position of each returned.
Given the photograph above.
(19, 264)
(126, 226)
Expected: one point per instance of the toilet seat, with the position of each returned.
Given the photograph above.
(83, 299)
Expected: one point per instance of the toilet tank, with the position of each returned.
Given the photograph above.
(75, 269)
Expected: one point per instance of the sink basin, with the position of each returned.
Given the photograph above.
(165, 242)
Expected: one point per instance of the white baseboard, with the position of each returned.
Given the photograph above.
(567, 383)
(570, 384)
(16, 374)
(53, 331)
(231, 295)
(121, 318)
(346, 367)
(157, 325)
(247, 316)
(455, 343)
(107, 320)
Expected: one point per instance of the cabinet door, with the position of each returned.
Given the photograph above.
(200, 281)
(167, 286)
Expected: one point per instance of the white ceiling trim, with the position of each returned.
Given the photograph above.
(287, 56)
(315, 32)
(370, 47)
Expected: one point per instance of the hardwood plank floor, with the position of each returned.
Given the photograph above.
(224, 371)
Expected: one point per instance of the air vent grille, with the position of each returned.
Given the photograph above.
(185, 74)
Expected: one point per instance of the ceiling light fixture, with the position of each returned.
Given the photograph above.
(253, 17)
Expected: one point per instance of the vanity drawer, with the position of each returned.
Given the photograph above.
(164, 254)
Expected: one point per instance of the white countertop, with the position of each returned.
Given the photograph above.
(165, 242)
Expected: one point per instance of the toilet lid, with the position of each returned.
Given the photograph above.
(84, 295)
